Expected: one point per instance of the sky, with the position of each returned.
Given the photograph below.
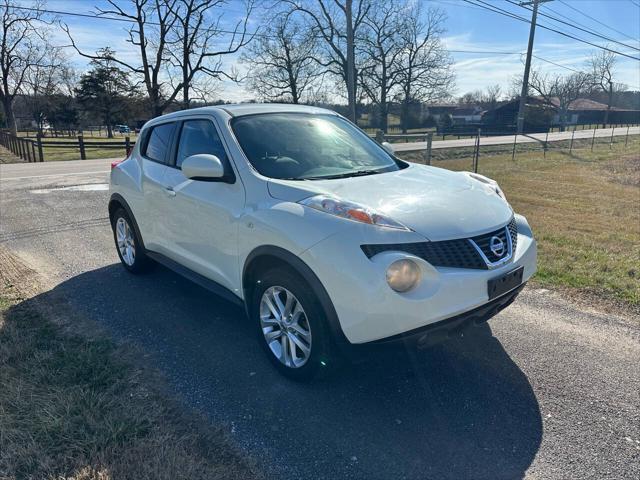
(468, 27)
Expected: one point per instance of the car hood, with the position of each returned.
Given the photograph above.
(436, 203)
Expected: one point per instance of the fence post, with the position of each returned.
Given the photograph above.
(626, 139)
(546, 144)
(593, 139)
(127, 145)
(427, 154)
(19, 145)
(379, 136)
(611, 139)
(33, 151)
(513, 152)
(40, 152)
(571, 146)
(476, 157)
(83, 155)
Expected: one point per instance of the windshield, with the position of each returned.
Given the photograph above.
(309, 147)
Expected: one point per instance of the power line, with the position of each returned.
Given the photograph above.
(590, 32)
(591, 18)
(506, 13)
(126, 20)
(490, 52)
(495, 52)
(257, 34)
(556, 64)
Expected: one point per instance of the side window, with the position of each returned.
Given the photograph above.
(199, 136)
(159, 142)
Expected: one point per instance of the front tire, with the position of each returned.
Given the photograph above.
(128, 244)
(291, 325)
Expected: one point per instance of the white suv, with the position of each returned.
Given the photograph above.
(327, 239)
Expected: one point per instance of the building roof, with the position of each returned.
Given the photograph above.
(578, 105)
(463, 111)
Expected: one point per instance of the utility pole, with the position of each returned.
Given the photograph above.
(351, 71)
(527, 64)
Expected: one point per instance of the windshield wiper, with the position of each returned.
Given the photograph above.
(356, 173)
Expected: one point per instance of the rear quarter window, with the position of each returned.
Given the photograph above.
(158, 142)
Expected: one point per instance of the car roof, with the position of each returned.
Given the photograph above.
(241, 109)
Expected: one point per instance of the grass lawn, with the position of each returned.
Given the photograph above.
(75, 407)
(584, 209)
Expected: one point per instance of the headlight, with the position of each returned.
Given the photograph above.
(403, 275)
(492, 184)
(350, 211)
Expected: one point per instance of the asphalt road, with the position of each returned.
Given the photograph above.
(508, 139)
(543, 391)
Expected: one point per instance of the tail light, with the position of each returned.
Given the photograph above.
(115, 163)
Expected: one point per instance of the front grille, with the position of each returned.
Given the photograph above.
(448, 253)
(484, 243)
(458, 253)
(513, 232)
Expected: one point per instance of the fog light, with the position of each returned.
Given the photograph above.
(403, 275)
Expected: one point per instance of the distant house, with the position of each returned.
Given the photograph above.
(585, 111)
(436, 110)
(467, 114)
(542, 115)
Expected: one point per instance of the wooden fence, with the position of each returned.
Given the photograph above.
(24, 148)
(32, 150)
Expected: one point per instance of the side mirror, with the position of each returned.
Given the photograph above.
(389, 149)
(202, 166)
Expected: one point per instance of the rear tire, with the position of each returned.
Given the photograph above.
(291, 325)
(128, 243)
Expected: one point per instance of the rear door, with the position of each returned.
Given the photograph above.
(203, 215)
(156, 155)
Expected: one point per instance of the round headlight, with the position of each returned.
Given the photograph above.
(403, 275)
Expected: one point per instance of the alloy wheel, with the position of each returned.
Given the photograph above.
(285, 326)
(126, 242)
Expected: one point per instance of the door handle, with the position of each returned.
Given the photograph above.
(170, 191)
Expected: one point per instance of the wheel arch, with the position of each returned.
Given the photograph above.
(269, 256)
(117, 201)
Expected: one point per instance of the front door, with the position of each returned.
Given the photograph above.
(203, 215)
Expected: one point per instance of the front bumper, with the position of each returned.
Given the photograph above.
(368, 310)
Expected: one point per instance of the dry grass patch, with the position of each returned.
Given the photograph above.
(78, 408)
(7, 157)
(585, 212)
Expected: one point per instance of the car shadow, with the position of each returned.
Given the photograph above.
(459, 410)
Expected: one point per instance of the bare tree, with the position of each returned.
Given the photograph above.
(21, 48)
(337, 23)
(487, 98)
(169, 34)
(196, 31)
(492, 96)
(602, 65)
(560, 91)
(471, 98)
(43, 83)
(281, 62)
(426, 65)
(382, 48)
